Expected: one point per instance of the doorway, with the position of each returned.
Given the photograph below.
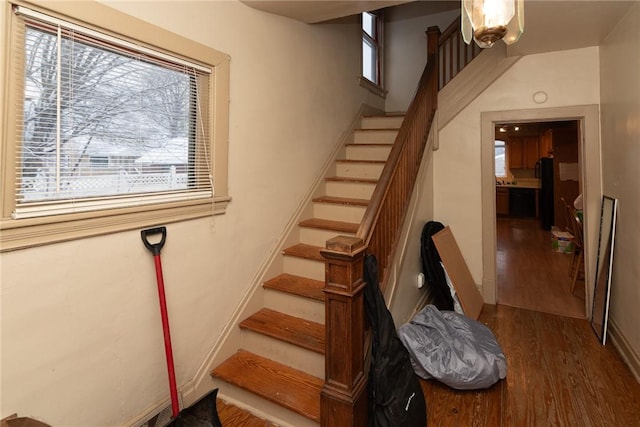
(589, 159)
(537, 172)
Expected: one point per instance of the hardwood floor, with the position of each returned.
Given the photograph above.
(558, 375)
(531, 274)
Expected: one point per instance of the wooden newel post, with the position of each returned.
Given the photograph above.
(433, 40)
(433, 54)
(344, 395)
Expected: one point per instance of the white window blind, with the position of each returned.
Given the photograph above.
(106, 123)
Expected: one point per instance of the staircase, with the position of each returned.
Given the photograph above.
(279, 370)
(300, 357)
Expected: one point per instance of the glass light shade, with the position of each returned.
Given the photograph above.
(487, 21)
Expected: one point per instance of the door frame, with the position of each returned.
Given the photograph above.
(589, 156)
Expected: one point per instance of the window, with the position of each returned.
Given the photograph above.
(372, 31)
(500, 155)
(109, 126)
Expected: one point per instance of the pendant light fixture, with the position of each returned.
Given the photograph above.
(487, 21)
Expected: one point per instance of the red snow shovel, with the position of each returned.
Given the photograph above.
(204, 412)
(155, 249)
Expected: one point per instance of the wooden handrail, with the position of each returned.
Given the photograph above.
(344, 394)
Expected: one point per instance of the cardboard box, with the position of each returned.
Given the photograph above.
(561, 241)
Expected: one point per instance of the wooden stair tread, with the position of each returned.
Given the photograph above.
(285, 386)
(231, 415)
(385, 115)
(297, 285)
(349, 179)
(342, 201)
(291, 329)
(367, 144)
(361, 161)
(303, 250)
(327, 224)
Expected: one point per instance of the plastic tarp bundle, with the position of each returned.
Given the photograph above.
(454, 349)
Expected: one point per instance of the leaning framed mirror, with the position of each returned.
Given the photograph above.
(602, 287)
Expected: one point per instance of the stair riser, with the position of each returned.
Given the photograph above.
(304, 267)
(367, 152)
(359, 170)
(382, 122)
(284, 352)
(353, 190)
(262, 407)
(374, 136)
(318, 237)
(336, 212)
(293, 305)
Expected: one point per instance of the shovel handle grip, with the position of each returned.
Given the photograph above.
(154, 248)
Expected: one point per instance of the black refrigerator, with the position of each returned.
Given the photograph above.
(544, 171)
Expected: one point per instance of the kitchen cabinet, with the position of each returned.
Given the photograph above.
(523, 151)
(531, 152)
(502, 201)
(515, 149)
(546, 146)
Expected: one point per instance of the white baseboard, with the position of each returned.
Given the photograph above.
(628, 355)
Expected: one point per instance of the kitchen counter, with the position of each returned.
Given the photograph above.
(521, 184)
(519, 200)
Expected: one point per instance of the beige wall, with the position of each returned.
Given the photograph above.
(568, 77)
(406, 55)
(620, 110)
(405, 295)
(81, 335)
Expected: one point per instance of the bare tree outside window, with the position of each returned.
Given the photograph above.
(83, 101)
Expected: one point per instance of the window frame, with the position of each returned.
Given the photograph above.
(378, 86)
(28, 232)
(506, 158)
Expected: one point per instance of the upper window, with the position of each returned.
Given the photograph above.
(500, 156)
(372, 30)
(106, 126)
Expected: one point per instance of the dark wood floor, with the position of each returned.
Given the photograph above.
(531, 274)
(558, 375)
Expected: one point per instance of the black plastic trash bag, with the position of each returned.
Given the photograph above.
(395, 396)
(203, 413)
(439, 292)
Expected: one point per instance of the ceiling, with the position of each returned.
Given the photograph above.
(550, 25)
(313, 11)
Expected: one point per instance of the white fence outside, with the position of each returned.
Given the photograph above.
(43, 186)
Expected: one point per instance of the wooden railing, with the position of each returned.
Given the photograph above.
(344, 395)
(454, 53)
(382, 221)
